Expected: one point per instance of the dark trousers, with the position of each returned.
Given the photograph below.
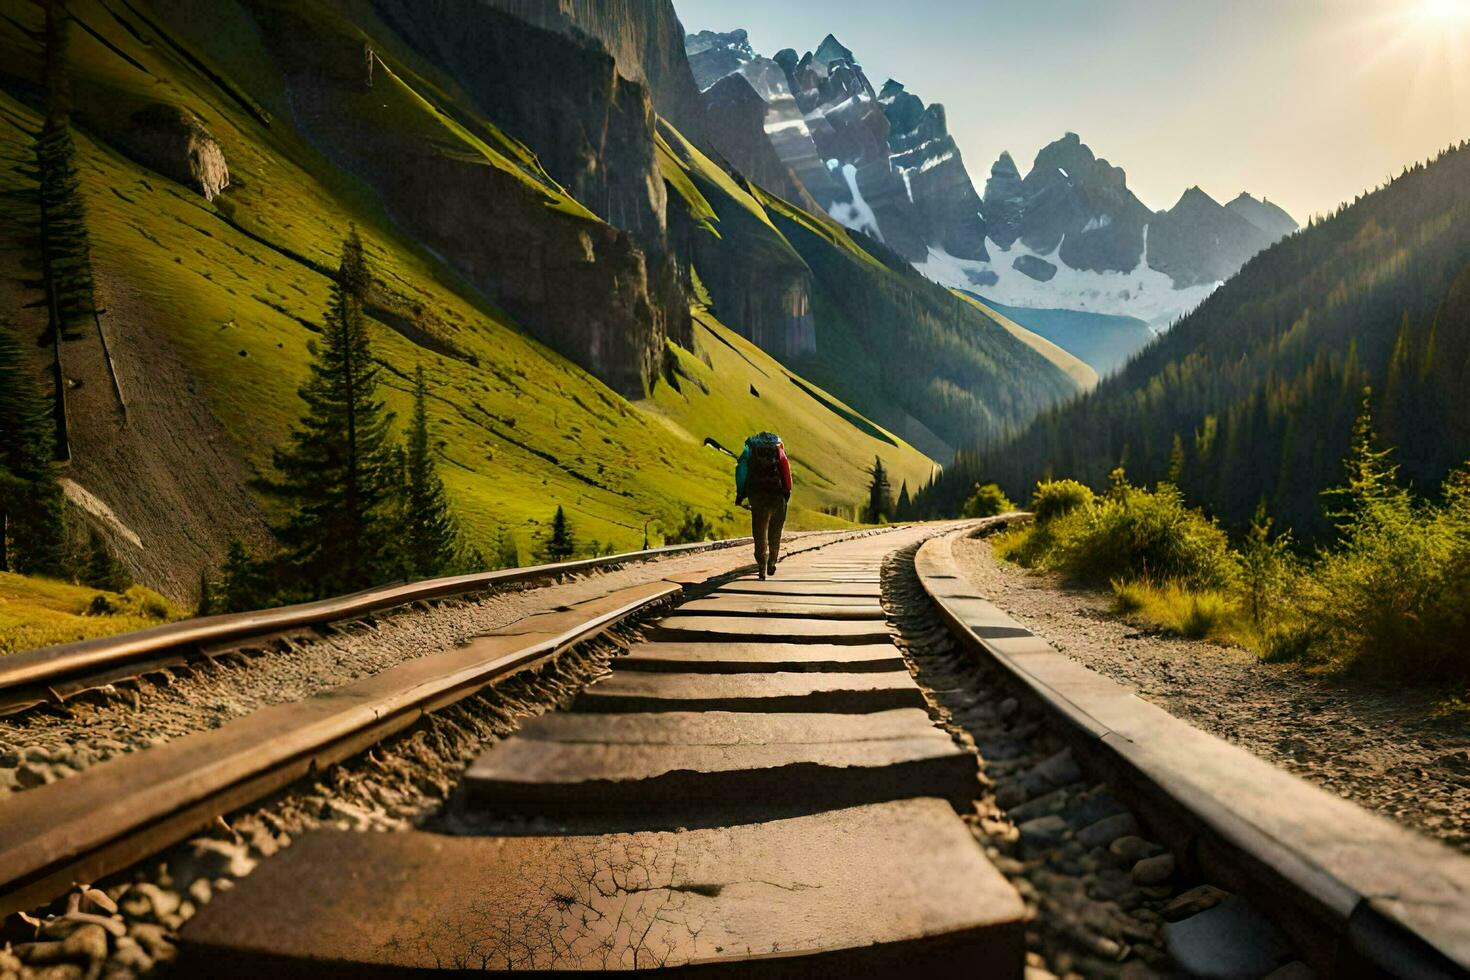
(767, 517)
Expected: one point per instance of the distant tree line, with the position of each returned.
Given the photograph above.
(1253, 396)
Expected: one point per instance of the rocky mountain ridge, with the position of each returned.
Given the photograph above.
(1068, 234)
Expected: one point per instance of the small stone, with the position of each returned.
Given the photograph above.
(1131, 848)
(200, 892)
(1193, 902)
(1108, 885)
(213, 858)
(1009, 707)
(1042, 806)
(29, 775)
(1010, 795)
(1096, 807)
(155, 940)
(130, 955)
(1155, 870)
(145, 900)
(1295, 970)
(1060, 769)
(1043, 831)
(1107, 830)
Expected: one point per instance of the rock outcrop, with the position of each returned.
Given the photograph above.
(644, 37)
(584, 287)
(736, 122)
(758, 285)
(886, 165)
(933, 171)
(175, 142)
(1005, 201)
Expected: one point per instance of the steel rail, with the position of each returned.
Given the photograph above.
(1358, 894)
(56, 673)
(116, 813)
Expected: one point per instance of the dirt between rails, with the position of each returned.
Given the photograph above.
(43, 746)
(1374, 745)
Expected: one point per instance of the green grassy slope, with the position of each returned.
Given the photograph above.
(1102, 340)
(38, 612)
(232, 290)
(1074, 367)
(730, 388)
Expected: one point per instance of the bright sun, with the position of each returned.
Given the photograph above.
(1444, 11)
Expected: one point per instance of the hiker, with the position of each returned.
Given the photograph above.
(763, 475)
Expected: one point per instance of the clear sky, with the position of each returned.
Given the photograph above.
(1307, 102)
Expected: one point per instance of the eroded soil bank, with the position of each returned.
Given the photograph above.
(1372, 744)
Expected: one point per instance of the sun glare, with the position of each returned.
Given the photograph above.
(1440, 12)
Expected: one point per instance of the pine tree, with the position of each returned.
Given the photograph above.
(66, 251)
(32, 536)
(507, 555)
(560, 544)
(428, 545)
(1371, 477)
(901, 510)
(102, 570)
(880, 494)
(242, 583)
(1176, 461)
(337, 473)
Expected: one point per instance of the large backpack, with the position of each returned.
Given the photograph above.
(764, 473)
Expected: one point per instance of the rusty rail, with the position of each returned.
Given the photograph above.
(55, 674)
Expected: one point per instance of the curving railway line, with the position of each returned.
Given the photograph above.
(857, 766)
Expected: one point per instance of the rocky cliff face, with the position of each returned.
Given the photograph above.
(880, 163)
(591, 127)
(925, 156)
(735, 118)
(644, 37)
(757, 283)
(582, 286)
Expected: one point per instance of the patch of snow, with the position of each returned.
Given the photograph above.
(1144, 292)
(933, 162)
(1064, 173)
(908, 183)
(87, 501)
(1099, 222)
(856, 215)
(832, 163)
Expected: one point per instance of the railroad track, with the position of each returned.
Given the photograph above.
(779, 777)
(55, 675)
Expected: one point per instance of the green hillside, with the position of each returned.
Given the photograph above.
(1103, 340)
(1082, 373)
(1258, 388)
(208, 307)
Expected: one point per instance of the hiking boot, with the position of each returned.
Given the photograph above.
(763, 574)
(771, 568)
